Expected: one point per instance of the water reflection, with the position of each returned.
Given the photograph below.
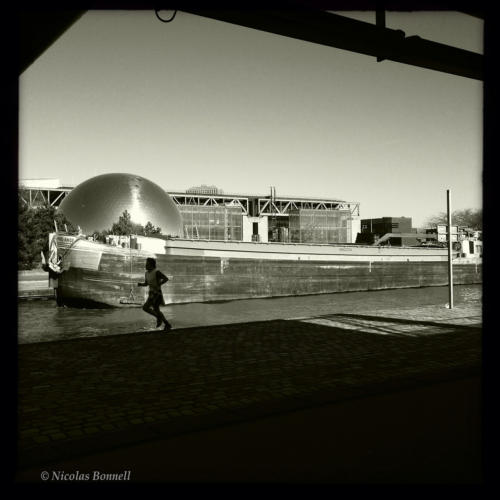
(42, 321)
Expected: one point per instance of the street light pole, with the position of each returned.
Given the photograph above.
(450, 263)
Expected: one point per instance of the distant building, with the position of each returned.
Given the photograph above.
(465, 240)
(458, 233)
(267, 218)
(386, 225)
(209, 214)
(373, 229)
(204, 189)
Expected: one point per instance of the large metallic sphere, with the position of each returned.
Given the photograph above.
(97, 203)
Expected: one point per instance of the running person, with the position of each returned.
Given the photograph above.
(154, 278)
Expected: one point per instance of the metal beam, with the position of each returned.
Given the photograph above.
(38, 29)
(341, 32)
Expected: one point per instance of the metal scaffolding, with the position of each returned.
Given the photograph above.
(43, 197)
(210, 200)
(283, 206)
(40, 196)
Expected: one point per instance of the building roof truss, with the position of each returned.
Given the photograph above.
(353, 207)
(263, 204)
(276, 208)
(39, 194)
(58, 198)
(185, 200)
(285, 206)
(23, 199)
(210, 200)
(237, 203)
(32, 196)
(268, 206)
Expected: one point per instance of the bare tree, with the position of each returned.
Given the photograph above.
(468, 217)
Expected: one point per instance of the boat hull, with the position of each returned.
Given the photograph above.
(98, 275)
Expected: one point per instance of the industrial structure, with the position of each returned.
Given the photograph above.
(36, 193)
(210, 215)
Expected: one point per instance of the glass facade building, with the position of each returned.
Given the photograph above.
(320, 226)
(225, 223)
(278, 229)
(212, 222)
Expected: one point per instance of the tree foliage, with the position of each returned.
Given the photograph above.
(150, 230)
(468, 217)
(34, 226)
(124, 227)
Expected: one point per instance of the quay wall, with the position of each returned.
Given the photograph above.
(33, 284)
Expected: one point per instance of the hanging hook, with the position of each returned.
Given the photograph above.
(165, 20)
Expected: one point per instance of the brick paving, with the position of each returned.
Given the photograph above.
(88, 395)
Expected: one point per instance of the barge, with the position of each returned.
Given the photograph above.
(95, 274)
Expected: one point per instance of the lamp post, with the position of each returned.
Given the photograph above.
(450, 263)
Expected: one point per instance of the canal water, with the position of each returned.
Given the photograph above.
(43, 321)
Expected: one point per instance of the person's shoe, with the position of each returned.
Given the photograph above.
(168, 327)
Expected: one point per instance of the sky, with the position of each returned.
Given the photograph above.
(198, 101)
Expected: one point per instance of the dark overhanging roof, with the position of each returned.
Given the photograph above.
(345, 33)
(39, 29)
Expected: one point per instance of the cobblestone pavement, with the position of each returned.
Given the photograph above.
(85, 395)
